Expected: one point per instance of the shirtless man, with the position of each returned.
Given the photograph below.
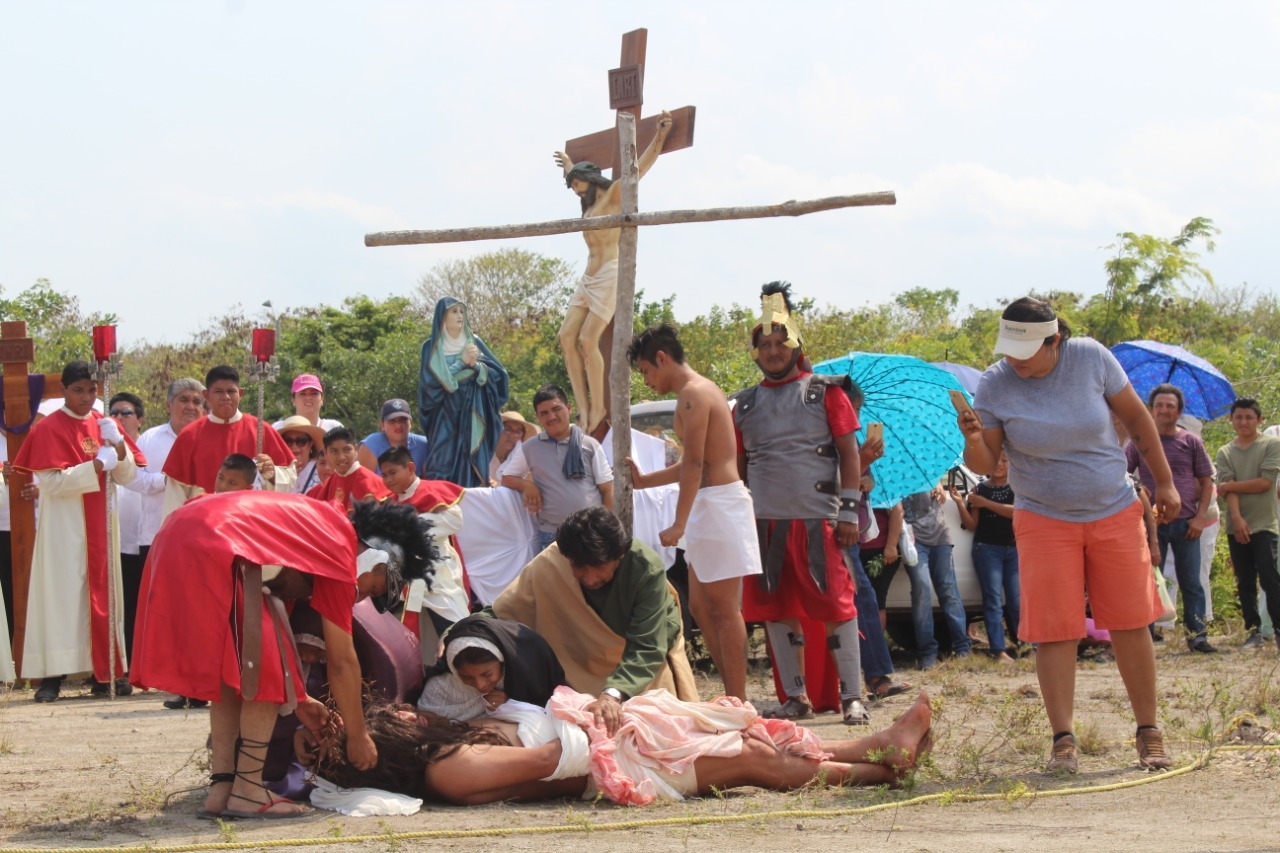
(592, 306)
(714, 503)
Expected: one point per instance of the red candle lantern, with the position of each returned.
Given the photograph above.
(264, 344)
(104, 343)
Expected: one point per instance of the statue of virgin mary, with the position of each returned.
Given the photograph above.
(461, 390)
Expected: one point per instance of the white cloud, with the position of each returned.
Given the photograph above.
(1026, 202)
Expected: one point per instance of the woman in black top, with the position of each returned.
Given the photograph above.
(989, 514)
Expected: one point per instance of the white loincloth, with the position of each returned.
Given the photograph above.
(535, 727)
(720, 539)
(599, 293)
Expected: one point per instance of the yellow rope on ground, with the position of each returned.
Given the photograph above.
(946, 797)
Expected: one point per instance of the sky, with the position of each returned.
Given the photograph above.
(169, 161)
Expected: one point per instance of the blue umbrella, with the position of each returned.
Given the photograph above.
(910, 397)
(967, 375)
(1206, 392)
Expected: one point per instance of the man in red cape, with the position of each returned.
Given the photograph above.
(197, 454)
(211, 623)
(68, 620)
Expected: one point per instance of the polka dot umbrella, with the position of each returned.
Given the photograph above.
(911, 398)
(1206, 393)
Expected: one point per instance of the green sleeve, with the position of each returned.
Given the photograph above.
(1224, 472)
(644, 614)
(1271, 461)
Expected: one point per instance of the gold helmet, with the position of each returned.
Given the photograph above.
(776, 310)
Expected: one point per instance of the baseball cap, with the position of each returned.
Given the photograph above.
(306, 380)
(397, 408)
(1022, 340)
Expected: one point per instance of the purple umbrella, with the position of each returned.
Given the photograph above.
(967, 375)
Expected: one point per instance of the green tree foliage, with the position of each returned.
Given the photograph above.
(366, 352)
(55, 322)
(1143, 276)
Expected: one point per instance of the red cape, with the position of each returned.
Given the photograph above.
(60, 442)
(202, 446)
(186, 640)
(360, 485)
(433, 495)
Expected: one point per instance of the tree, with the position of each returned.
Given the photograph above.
(1144, 275)
(54, 320)
(502, 289)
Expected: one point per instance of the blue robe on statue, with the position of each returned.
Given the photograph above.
(460, 404)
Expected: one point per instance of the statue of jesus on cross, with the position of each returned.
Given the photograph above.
(593, 304)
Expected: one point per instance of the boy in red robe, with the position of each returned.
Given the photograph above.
(439, 502)
(203, 594)
(68, 620)
(350, 481)
(197, 455)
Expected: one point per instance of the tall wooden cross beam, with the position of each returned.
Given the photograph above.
(16, 352)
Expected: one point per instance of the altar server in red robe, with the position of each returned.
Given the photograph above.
(68, 626)
(350, 481)
(197, 454)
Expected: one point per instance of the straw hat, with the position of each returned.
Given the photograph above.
(530, 430)
(297, 423)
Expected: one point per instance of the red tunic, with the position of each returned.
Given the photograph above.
(433, 496)
(203, 444)
(60, 442)
(360, 485)
(191, 602)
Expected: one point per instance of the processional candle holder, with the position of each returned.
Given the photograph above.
(263, 367)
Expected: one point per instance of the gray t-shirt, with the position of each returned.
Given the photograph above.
(924, 514)
(1065, 461)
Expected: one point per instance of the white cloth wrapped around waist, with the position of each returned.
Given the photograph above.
(535, 727)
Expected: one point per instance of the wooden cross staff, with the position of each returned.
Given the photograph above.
(16, 352)
(624, 319)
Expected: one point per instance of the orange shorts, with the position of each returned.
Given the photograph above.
(1058, 561)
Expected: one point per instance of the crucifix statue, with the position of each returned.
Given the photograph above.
(591, 310)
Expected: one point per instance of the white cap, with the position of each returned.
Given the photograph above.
(1022, 340)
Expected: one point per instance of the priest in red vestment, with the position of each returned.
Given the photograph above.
(68, 619)
(350, 481)
(208, 629)
(192, 466)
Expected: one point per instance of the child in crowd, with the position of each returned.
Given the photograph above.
(439, 502)
(349, 481)
(237, 474)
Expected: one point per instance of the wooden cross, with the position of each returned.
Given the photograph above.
(626, 95)
(600, 145)
(16, 352)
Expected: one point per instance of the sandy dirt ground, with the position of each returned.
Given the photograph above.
(98, 773)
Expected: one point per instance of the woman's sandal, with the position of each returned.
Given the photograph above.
(261, 812)
(216, 779)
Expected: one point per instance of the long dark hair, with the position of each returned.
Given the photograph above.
(405, 749)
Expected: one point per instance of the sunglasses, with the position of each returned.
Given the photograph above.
(297, 440)
(122, 413)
